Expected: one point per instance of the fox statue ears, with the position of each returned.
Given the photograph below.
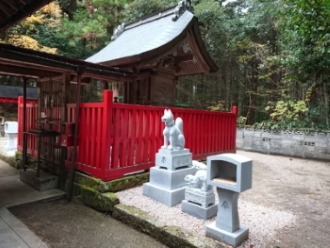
(168, 111)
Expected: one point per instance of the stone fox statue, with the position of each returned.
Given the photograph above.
(173, 132)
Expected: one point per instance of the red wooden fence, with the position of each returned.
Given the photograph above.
(117, 139)
(31, 117)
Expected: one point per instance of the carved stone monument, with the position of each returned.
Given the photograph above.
(231, 174)
(173, 163)
(199, 197)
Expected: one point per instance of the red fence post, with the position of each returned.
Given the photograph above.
(20, 124)
(234, 109)
(107, 127)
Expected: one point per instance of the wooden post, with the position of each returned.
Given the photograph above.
(105, 85)
(76, 132)
(65, 92)
(24, 104)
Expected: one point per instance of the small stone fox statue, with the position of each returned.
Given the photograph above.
(173, 132)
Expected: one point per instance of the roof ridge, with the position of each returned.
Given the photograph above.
(178, 11)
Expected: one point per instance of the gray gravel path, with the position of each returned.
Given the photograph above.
(288, 205)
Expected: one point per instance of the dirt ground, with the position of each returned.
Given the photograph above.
(71, 225)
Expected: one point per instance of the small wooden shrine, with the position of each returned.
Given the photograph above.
(159, 49)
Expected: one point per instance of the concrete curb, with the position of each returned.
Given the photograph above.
(172, 236)
(86, 191)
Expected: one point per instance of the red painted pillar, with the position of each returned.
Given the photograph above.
(107, 127)
(20, 123)
(234, 110)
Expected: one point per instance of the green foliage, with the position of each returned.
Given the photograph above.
(139, 9)
(289, 114)
(305, 36)
(273, 56)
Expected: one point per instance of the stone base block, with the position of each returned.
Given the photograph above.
(44, 182)
(198, 211)
(234, 239)
(199, 197)
(167, 197)
(173, 160)
(169, 180)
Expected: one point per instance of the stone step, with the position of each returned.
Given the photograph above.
(45, 181)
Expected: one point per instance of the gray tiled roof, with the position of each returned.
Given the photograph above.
(16, 91)
(138, 38)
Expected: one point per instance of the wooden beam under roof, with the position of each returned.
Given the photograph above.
(50, 64)
(25, 72)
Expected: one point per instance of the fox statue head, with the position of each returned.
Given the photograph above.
(168, 117)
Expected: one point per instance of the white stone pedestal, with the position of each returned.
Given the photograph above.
(173, 160)
(199, 203)
(11, 144)
(167, 184)
(226, 228)
(197, 211)
(167, 187)
(232, 238)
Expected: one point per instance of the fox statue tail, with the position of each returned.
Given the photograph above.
(179, 125)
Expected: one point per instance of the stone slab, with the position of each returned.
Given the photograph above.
(167, 197)
(169, 180)
(45, 181)
(198, 211)
(231, 238)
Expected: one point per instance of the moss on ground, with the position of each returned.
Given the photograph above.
(86, 180)
(113, 185)
(123, 183)
(91, 197)
(9, 160)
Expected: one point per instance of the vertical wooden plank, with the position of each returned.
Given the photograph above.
(81, 141)
(131, 134)
(226, 133)
(223, 132)
(93, 138)
(98, 151)
(159, 130)
(153, 141)
(188, 130)
(146, 136)
(116, 136)
(218, 132)
(139, 136)
(124, 133)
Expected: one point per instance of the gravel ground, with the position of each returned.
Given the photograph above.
(262, 221)
(287, 196)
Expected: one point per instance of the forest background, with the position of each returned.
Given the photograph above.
(273, 55)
